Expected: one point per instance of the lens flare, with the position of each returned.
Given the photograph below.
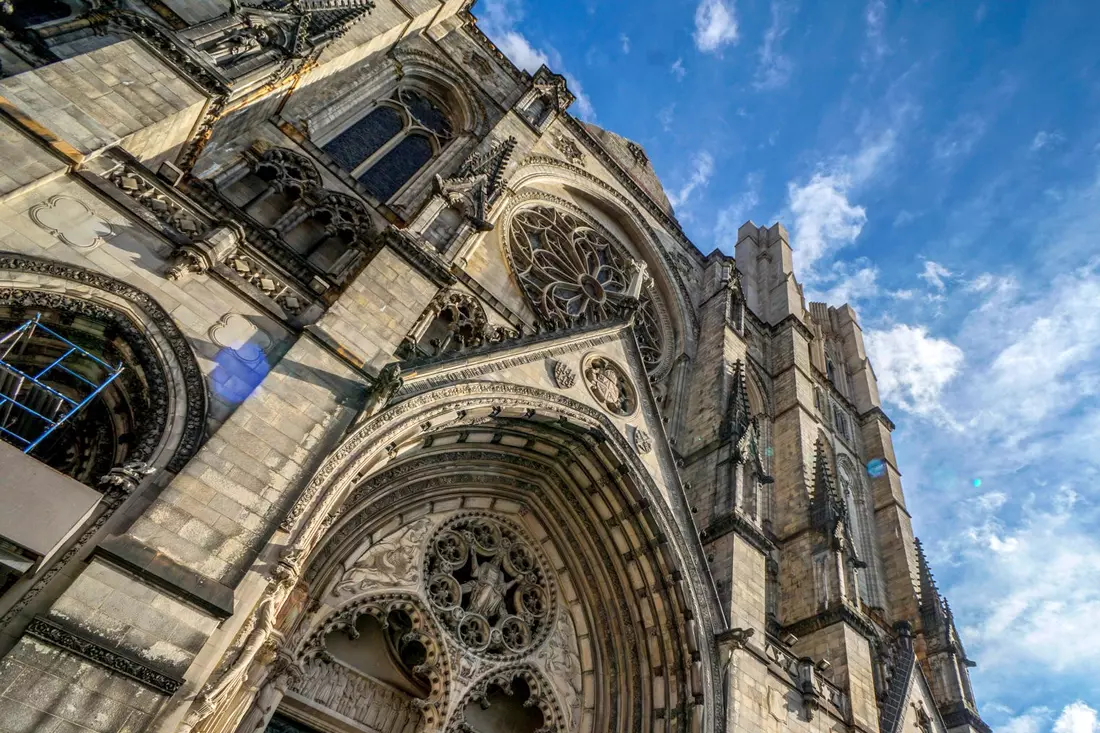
(876, 467)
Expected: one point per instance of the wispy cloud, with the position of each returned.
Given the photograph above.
(715, 25)
(935, 275)
(1077, 718)
(1044, 139)
(775, 68)
(678, 69)
(702, 168)
(624, 42)
(731, 217)
(874, 18)
(666, 116)
(960, 138)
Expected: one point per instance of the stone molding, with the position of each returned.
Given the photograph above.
(51, 633)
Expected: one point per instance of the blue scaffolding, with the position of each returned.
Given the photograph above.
(30, 409)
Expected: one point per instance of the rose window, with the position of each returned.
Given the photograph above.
(487, 585)
(574, 274)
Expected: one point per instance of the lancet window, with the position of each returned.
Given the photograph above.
(861, 526)
(386, 148)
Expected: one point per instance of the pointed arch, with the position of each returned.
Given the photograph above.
(631, 583)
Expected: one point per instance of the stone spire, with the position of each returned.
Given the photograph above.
(932, 612)
(827, 511)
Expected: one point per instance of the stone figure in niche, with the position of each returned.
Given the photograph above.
(488, 586)
(562, 661)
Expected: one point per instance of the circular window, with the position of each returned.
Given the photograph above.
(487, 585)
(574, 273)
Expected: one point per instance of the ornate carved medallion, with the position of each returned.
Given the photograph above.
(608, 383)
(564, 376)
(487, 586)
(642, 442)
(568, 147)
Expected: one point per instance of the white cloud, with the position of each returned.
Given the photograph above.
(624, 41)
(1032, 721)
(775, 68)
(1044, 139)
(498, 18)
(715, 25)
(934, 274)
(846, 284)
(992, 500)
(824, 218)
(904, 217)
(702, 168)
(731, 217)
(678, 69)
(1077, 717)
(913, 367)
(517, 48)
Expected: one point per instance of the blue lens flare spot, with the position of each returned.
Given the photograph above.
(769, 452)
(876, 468)
(977, 482)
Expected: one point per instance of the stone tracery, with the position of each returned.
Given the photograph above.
(486, 584)
(575, 274)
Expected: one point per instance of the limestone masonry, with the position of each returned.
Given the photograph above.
(430, 416)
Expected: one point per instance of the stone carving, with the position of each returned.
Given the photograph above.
(382, 391)
(568, 147)
(364, 700)
(609, 385)
(539, 695)
(416, 628)
(392, 561)
(564, 376)
(127, 476)
(166, 209)
(479, 64)
(72, 222)
(642, 442)
(198, 256)
(474, 188)
(270, 284)
(487, 585)
(637, 152)
(50, 632)
(246, 341)
(562, 660)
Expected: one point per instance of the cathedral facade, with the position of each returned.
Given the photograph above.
(349, 383)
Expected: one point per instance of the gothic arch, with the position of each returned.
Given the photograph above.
(610, 526)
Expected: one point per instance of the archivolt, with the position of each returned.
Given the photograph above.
(641, 581)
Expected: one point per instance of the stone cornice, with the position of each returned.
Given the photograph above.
(876, 413)
(95, 652)
(734, 522)
(835, 615)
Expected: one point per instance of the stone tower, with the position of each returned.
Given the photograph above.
(350, 383)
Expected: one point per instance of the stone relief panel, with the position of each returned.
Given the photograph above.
(561, 660)
(392, 561)
(369, 702)
(72, 222)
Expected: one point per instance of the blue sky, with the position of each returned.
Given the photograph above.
(938, 166)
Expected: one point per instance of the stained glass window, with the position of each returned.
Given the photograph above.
(387, 147)
(363, 139)
(384, 178)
